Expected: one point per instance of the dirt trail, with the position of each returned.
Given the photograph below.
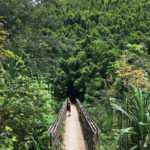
(73, 138)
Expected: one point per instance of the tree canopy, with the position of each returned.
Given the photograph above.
(96, 50)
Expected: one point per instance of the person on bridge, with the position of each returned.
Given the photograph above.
(69, 106)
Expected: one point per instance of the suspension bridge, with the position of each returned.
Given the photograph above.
(75, 132)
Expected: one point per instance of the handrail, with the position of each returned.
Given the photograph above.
(54, 131)
(90, 130)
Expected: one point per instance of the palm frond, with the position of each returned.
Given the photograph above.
(129, 115)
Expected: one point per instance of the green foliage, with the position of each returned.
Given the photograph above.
(106, 141)
(137, 111)
(92, 50)
(133, 103)
(26, 108)
(26, 113)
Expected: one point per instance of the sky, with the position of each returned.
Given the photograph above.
(36, 1)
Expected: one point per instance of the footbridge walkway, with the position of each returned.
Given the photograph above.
(75, 132)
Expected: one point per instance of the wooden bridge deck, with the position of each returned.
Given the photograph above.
(73, 136)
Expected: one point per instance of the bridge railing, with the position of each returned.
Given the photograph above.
(54, 132)
(90, 130)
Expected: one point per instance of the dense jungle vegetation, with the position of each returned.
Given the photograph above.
(96, 50)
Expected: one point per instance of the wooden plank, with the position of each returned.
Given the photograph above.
(90, 129)
(54, 130)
